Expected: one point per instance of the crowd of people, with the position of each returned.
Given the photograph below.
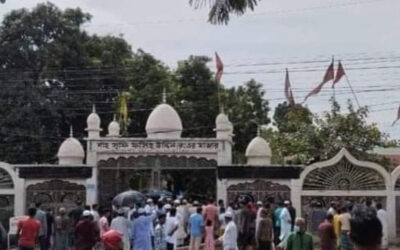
(168, 224)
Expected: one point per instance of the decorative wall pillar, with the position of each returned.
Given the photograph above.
(91, 183)
(295, 194)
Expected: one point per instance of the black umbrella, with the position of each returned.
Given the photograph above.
(157, 194)
(129, 199)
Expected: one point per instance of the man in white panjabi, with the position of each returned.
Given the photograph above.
(383, 218)
(286, 222)
(229, 239)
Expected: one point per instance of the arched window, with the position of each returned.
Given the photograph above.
(6, 181)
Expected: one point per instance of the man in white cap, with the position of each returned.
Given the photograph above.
(141, 233)
(286, 222)
(229, 239)
(180, 215)
(86, 232)
(122, 225)
(171, 225)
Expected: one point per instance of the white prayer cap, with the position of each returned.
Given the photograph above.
(259, 203)
(286, 202)
(167, 206)
(177, 202)
(149, 200)
(228, 215)
(86, 213)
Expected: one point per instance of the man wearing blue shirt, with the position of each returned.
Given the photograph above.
(196, 223)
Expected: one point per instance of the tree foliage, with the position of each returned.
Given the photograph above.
(52, 71)
(304, 138)
(220, 10)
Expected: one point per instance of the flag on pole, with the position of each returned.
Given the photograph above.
(329, 75)
(220, 68)
(339, 74)
(398, 117)
(288, 90)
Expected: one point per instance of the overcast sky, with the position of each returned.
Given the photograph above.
(365, 34)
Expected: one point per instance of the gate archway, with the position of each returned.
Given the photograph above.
(343, 179)
(7, 194)
(54, 194)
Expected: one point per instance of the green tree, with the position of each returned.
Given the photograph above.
(247, 109)
(303, 138)
(47, 79)
(220, 10)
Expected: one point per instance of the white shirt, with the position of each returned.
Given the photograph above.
(229, 238)
(122, 225)
(383, 218)
(170, 224)
(286, 225)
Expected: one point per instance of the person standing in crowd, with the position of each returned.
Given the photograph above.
(300, 240)
(104, 226)
(344, 221)
(171, 226)
(122, 225)
(327, 233)
(141, 230)
(336, 226)
(277, 222)
(95, 212)
(211, 213)
(286, 222)
(61, 227)
(160, 242)
(209, 243)
(383, 218)
(370, 208)
(42, 218)
(28, 231)
(180, 215)
(366, 231)
(292, 212)
(318, 215)
(244, 226)
(332, 208)
(264, 229)
(74, 215)
(196, 223)
(149, 208)
(229, 238)
(50, 226)
(86, 232)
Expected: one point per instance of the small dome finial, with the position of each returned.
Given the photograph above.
(115, 117)
(94, 108)
(164, 96)
(258, 130)
(71, 132)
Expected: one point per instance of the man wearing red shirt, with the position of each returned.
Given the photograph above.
(28, 231)
(211, 213)
(327, 233)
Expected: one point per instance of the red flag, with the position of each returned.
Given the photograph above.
(288, 90)
(339, 74)
(220, 68)
(329, 75)
(398, 117)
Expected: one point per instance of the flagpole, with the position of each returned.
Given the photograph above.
(352, 90)
(333, 80)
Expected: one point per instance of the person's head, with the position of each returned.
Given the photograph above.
(149, 201)
(95, 207)
(199, 210)
(333, 204)
(172, 212)
(220, 202)
(160, 204)
(87, 214)
(344, 209)
(259, 203)
(300, 225)
(379, 206)
(228, 217)
(120, 212)
(280, 204)
(329, 217)
(31, 212)
(287, 203)
(106, 212)
(161, 218)
(339, 210)
(38, 205)
(62, 211)
(368, 203)
(366, 231)
(87, 207)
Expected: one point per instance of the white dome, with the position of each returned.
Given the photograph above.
(93, 121)
(71, 152)
(258, 152)
(222, 119)
(164, 122)
(113, 128)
